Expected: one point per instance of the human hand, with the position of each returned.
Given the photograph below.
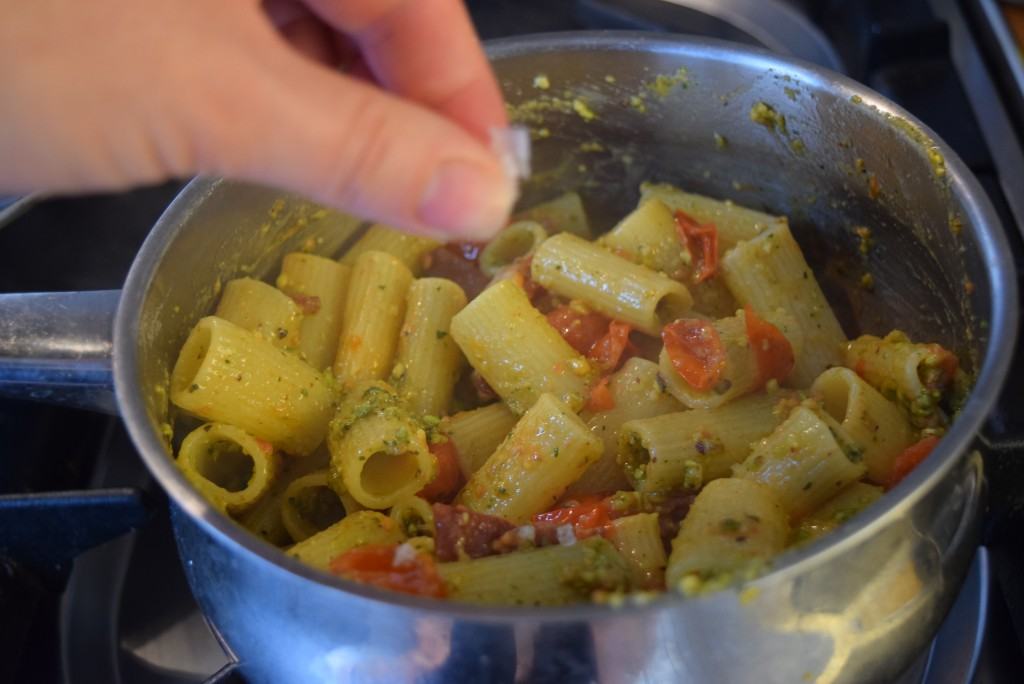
(110, 93)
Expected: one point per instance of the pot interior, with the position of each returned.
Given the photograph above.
(606, 115)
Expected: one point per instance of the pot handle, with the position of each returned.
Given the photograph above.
(55, 347)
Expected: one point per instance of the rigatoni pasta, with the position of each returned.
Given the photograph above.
(550, 576)
(517, 351)
(319, 285)
(256, 306)
(362, 528)
(428, 362)
(682, 450)
(916, 375)
(515, 241)
(408, 249)
(477, 433)
(564, 213)
(804, 462)
(733, 528)
(648, 236)
(232, 469)
(638, 539)
(547, 450)
(837, 510)
(733, 222)
(229, 375)
(374, 310)
(742, 368)
(872, 422)
(637, 392)
(769, 272)
(577, 269)
(379, 453)
(311, 505)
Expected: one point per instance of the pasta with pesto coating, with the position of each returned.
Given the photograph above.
(666, 407)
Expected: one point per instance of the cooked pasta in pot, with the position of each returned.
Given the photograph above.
(550, 418)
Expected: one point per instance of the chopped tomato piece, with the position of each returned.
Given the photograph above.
(696, 351)
(701, 240)
(601, 398)
(581, 330)
(910, 458)
(589, 516)
(609, 351)
(449, 477)
(308, 304)
(773, 352)
(384, 566)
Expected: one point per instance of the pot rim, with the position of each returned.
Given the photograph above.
(996, 360)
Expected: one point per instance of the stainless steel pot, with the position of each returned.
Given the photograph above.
(854, 607)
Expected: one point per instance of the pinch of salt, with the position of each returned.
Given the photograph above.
(566, 535)
(404, 554)
(512, 145)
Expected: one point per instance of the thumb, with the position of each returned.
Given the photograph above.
(347, 144)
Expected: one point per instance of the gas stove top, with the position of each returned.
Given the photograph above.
(91, 588)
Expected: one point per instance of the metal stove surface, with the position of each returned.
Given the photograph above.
(124, 612)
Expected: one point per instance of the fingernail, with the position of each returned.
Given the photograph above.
(467, 200)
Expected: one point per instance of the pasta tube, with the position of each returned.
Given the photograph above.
(228, 375)
(263, 309)
(358, 529)
(836, 511)
(638, 539)
(876, 425)
(374, 308)
(408, 249)
(914, 374)
(517, 240)
(515, 349)
(311, 505)
(320, 284)
(741, 373)
(679, 450)
(769, 273)
(379, 452)
(733, 222)
(477, 433)
(803, 462)
(733, 528)
(637, 393)
(231, 468)
(648, 236)
(547, 450)
(428, 361)
(564, 213)
(618, 288)
(553, 575)
(414, 516)
(264, 518)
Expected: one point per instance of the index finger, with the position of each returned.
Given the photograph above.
(426, 51)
